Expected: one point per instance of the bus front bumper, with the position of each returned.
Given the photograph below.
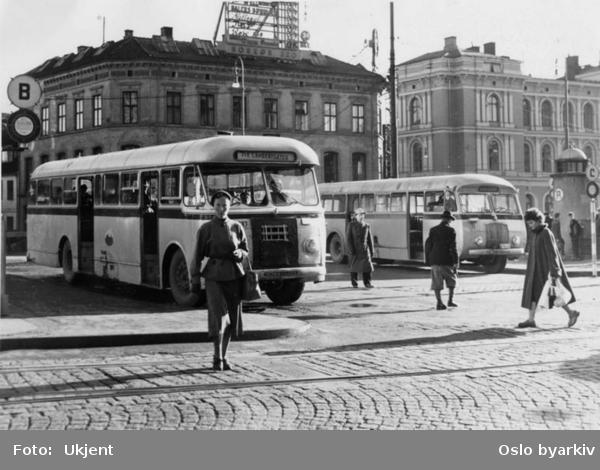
(496, 251)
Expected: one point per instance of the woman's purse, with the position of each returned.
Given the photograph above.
(250, 287)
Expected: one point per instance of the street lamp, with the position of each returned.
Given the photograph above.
(236, 84)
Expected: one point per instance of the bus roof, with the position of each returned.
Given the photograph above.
(417, 183)
(218, 149)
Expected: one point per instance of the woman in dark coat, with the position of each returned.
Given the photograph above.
(360, 248)
(224, 243)
(543, 260)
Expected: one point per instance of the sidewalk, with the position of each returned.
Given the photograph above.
(575, 268)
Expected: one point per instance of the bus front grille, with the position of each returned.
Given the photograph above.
(274, 243)
(495, 234)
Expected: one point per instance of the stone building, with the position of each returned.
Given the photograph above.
(139, 91)
(472, 110)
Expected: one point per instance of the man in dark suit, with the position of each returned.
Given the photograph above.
(575, 231)
(442, 256)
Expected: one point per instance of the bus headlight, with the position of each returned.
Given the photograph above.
(516, 240)
(310, 246)
(478, 240)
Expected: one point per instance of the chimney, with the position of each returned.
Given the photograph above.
(166, 32)
(572, 67)
(450, 44)
(128, 33)
(489, 48)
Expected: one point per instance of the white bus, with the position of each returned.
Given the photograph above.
(134, 215)
(489, 223)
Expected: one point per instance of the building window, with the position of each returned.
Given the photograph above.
(527, 158)
(417, 157)
(588, 117)
(96, 110)
(10, 223)
(207, 110)
(330, 167)
(44, 159)
(359, 162)
(547, 158)
(130, 107)
(416, 112)
(130, 146)
(78, 114)
(571, 118)
(529, 201)
(173, 107)
(10, 190)
(493, 156)
(270, 112)
(97, 150)
(78, 153)
(329, 117)
(45, 120)
(61, 155)
(589, 152)
(526, 114)
(62, 117)
(358, 118)
(301, 116)
(546, 114)
(493, 109)
(237, 111)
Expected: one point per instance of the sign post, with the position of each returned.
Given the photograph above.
(592, 190)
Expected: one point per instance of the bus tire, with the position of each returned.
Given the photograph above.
(285, 291)
(67, 263)
(494, 264)
(336, 249)
(179, 281)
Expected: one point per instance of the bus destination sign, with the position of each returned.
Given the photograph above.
(265, 156)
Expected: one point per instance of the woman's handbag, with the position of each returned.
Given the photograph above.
(556, 295)
(250, 287)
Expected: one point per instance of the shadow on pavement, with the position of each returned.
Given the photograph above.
(582, 369)
(485, 333)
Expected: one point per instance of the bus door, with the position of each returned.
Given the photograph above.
(415, 226)
(149, 228)
(85, 224)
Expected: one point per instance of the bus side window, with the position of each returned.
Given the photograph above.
(434, 201)
(32, 192)
(381, 203)
(70, 190)
(129, 188)
(169, 187)
(327, 203)
(398, 202)
(367, 202)
(56, 191)
(193, 192)
(43, 192)
(111, 188)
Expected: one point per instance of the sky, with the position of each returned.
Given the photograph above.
(539, 33)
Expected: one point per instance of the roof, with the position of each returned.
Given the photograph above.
(213, 149)
(198, 51)
(419, 183)
(433, 55)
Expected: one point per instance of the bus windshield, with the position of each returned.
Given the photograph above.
(488, 202)
(292, 186)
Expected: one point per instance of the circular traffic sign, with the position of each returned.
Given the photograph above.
(23, 125)
(592, 189)
(24, 91)
(592, 172)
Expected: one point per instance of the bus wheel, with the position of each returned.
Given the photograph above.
(336, 249)
(284, 292)
(67, 263)
(494, 264)
(179, 281)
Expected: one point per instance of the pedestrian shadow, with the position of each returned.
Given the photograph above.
(109, 381)
(473, 335)
(587, 369)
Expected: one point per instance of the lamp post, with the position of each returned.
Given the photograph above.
(236, 84)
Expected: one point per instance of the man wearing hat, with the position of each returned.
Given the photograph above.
(360, 247)
(441, 255)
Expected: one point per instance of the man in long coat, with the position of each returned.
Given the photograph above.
(360, 248)
(442, 256)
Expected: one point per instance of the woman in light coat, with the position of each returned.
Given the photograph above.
(544, 260)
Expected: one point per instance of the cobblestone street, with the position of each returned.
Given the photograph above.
(379, 359)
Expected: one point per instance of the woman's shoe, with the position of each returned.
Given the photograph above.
(573, 316)
(218, 364)
(527, 324)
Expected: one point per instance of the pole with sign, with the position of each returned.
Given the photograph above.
(592, 190)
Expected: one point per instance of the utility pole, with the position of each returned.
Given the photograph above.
(392, 75)
(566, 113)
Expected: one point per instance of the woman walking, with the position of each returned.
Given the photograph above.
(544, 260)
(224, 243)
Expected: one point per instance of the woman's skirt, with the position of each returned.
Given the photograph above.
(224, 302)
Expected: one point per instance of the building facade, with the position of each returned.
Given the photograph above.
(474, 111)
(137, 92)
